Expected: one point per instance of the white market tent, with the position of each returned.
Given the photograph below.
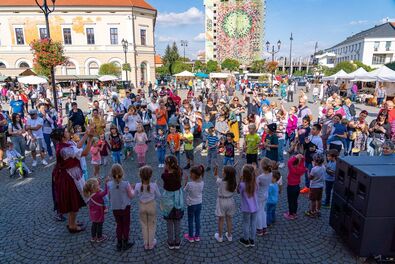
(339, 75)
(383, 74)
(107, 78)
(357, 73)
(32, 79)
(220, 75)
(185, 74)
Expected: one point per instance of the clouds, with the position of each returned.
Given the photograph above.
(387, 19)
(166, 39)
(359, 22)
(192, 16)
(201, 37)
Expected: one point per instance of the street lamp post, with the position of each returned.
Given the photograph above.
(125, 45)
(184, 43)
(48, 10)
(272, 52)
(290, 55)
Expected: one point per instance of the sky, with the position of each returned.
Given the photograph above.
(327, 22)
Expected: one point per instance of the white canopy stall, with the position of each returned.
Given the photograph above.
(339, 75)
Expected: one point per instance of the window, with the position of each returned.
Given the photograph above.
(24, 65)
(143, 37)
(19, 36)
(43, 33)
(93, 68)
(376, 45)
(71, 69)
(2, 65)
(90, 36)
(388, 45)
(378, 59)
(114, 36)
(67, 36)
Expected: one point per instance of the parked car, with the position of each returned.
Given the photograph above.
(301, 81)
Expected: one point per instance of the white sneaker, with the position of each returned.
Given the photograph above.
(282, 165)
(44, 162)
(219, 239)
(160, 166)
(285, 153)
(34, 163)
(228, 237)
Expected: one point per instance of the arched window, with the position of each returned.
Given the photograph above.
(24, 65)
(70, 68)
(143, 68)
(93, 68)
(2, 65)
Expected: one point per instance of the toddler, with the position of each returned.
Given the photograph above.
(147, 192)
(263, 182)
(332, 156)
(120, 193)
(13, 157)
(174, 141)
(194, 193)
(141, 147)
(212, 144)
(249, 205)
(229, 147)
(225, 207)
(205, 127)
(116, 143)
(105, 150)
(317, 176)
(95, 201)
(339, 130)
(251, 145)
(160, 147)
(187, 137)
(96, 158)
(128, 143)
(272, 199)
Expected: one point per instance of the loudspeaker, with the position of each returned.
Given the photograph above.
(369, 236)
(337, 218)
(372, 190)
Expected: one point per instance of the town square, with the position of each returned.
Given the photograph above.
(204, 131)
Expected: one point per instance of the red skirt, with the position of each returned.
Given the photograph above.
(68, 197)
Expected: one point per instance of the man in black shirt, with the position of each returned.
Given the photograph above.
(76, 116)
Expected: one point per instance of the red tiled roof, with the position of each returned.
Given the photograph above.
(158, 59)
(105, 3)
(393, 24)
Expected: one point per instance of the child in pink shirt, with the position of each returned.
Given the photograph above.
(96, 206)
(96, 157)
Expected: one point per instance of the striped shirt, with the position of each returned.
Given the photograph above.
(212, 140)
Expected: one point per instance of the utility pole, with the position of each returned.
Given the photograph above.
(290, 55)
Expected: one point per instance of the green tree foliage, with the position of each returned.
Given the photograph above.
(258, 66)
(344, 65)
(162, 70)
(230, 64)
(364, 66)
(212, 66)
(126, 67)
(200, 66)
(109, 69)
(180, 66)
(170, 57)
(391, 65)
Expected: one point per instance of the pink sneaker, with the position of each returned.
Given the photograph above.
(197, 238)
(288, 216)
(190, 239)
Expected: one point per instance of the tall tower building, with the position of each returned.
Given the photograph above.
(234, 29)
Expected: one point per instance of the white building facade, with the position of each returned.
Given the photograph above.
(374, 47)
(91, 32)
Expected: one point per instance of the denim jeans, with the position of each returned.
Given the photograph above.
(161, 153)
(194, 215)
(229, 161)
(249, 225)
(211, 155)
(47, 139)
(271, 213)
(281, 143)
(116, 156)
(328, 191)
(19, 144)
(309, 166)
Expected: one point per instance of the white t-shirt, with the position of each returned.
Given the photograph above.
(194, 192)
(35, 122)
(146, 196)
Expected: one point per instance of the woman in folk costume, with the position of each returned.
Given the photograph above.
(67, 174)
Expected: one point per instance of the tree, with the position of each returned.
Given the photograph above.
(271, 66)
(200, 66)
(230, 64)
(170, 57)
(162, 70)
(359, 64)
(110, 69)
(391, 65)
(258, 66)
(212, 66)
(344, 65)
(180, 66)
(47, 54)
